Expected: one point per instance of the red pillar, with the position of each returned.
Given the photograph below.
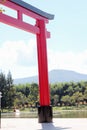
(42, 65)
(43, 75)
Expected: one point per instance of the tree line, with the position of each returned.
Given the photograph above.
(27, 95)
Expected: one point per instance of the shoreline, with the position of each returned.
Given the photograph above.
(56, 114)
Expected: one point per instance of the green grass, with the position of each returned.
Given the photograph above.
(22, 110)
(57, 108)
(80, 107)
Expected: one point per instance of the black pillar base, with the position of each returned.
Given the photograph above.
(45, 114)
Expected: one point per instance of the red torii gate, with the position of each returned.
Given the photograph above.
(42, 18)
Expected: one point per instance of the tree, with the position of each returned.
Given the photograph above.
(20, 99)
(3, 89)
(66, 100)
(56, 99)
(8, 90)
(85, 95)
(33, 96)
(70, 90)
(23, 88)
(78, 97)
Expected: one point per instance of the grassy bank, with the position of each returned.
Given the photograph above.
(80, 107)
(57, 108)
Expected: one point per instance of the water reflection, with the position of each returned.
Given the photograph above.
(19, 115)
(60, 114)
(71, 114)
(17, 112)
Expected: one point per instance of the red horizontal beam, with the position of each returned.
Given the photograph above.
(16, 7)
(18, 24)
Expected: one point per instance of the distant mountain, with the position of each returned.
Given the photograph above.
(66, 76)
(55, 76)
(26, 80)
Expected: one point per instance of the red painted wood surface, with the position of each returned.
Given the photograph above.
(42, 65)
(41, 33)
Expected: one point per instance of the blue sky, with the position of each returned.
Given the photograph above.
(67, 47)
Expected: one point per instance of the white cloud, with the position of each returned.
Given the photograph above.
(18, 57)
(21, 59)
(68, 60)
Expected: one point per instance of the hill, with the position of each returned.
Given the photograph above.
(55, 76)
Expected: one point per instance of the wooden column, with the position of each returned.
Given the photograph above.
(44, 111)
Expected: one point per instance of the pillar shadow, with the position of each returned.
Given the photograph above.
(50, 126)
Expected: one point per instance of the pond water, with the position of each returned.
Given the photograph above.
(59, 114)
(70, 114)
